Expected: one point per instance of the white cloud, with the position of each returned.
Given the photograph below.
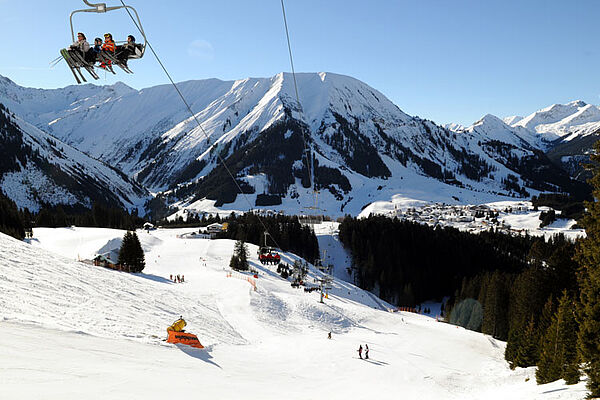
(201, 49)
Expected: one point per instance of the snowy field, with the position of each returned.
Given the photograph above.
(70, 330)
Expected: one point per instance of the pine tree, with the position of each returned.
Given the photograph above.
(546, 315)
(131, 254)
(549, 366)
(138, 258)
(239, 259)
(545, 320)
(495, 306)
(234, 262)
(527, 352)
(514, 343)
(558, 357)
(588, 256)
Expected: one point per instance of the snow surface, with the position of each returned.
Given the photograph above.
(70, 330)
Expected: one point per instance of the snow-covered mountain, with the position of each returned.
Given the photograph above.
(566, 132)
(564, 121)
(513, 119)
(365, 147)
(40, 169)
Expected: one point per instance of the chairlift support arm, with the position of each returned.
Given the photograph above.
(102, 8)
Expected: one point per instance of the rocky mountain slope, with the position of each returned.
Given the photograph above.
(364, 147)
(566, 132)
(38, 169)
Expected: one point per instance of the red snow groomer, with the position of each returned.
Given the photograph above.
(178, 335)
(268, 255)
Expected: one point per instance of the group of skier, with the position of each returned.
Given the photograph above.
(177, 278)
(91, 54)
(360, 349)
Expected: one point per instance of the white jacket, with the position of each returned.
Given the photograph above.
(81, 45)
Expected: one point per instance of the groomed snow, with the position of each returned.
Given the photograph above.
(70, 330)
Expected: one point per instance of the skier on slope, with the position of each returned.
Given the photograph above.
(360, 351)
(366, 351)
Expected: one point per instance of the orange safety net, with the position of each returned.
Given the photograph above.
(251, 281)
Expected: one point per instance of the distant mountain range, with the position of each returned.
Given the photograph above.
(364, 147)
(566, 132)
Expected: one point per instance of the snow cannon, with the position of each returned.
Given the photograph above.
(184, 338)
(178, 335)
(177, 326)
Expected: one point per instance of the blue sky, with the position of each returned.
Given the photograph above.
(448, 61)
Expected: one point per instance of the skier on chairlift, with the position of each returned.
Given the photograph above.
(80, 45)
(126, 50)
(108, 46)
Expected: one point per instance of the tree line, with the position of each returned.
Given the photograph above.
(15, 221)
(410, 262)
(284, 232)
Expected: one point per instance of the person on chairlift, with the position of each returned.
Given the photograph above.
(127, 49)
(81, 44)
(108, 46)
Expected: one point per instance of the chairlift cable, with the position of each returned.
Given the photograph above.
(199, 124)
(307, 154)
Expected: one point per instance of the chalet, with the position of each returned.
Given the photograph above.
(214, 228)
(102, 260)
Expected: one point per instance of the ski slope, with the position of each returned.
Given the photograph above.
(70, 330)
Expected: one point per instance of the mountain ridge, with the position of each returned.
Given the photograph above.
(363, 145)
(39, 170)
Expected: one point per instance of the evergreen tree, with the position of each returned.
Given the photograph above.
(234, 262)
(495, 306)
(527, 352)
(558, 357)
(545, 319)
(131, 254)
(588, 256)
(514, 343)
(549, 365)
(239, 259)
(11, 221)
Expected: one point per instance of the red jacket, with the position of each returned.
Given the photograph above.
(109, 45)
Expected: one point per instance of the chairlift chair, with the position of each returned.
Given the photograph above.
(75, 60)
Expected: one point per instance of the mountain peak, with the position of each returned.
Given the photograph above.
(490, 119)
(511, 120)
(4, 81)
(577, 103)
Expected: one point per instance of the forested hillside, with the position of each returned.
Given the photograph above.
(410, 262)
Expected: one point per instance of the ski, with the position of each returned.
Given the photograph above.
(75, 64)
(80, 73)
(86, 65)
(77, 58)
(104, 59)
(67, 58)
(115, 61)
